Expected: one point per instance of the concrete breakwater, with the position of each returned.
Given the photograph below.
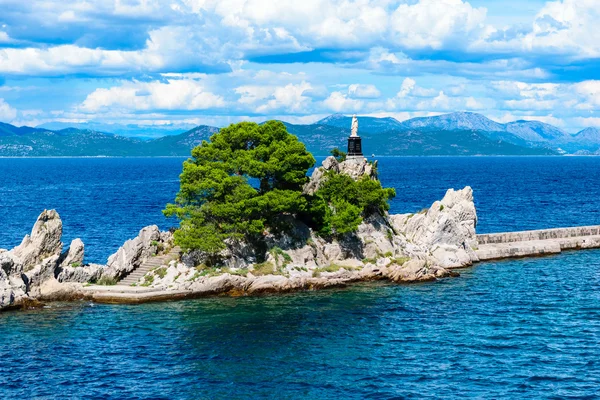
(494, 246)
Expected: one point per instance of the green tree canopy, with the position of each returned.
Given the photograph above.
(239, 184)
(341, 202)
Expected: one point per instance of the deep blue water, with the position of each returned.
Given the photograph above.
(513, 329)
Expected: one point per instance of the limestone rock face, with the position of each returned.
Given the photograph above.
(29, 271)
(416, 271)
(89, 273)
(74, 256)
(446, 230)
(353, 167)
(133, 252)
(44, 241)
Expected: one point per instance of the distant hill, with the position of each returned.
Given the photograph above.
(460, 133)
(31, 142)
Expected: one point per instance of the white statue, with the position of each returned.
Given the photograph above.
(354, 126)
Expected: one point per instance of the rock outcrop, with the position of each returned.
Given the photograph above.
(446, 231)
(135, 251)
(29, 272)
(354, 167)
(401, 248)
(43, 242)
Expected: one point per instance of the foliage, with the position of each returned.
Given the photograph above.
(239, 185)
(265, 268)
(341, 203)
(148, 280)
(330, 268)
(161, 272)
(106, 281)
(338, 154)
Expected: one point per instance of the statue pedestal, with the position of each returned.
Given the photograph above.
(354, 146)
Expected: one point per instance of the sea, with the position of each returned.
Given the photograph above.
(526, 328)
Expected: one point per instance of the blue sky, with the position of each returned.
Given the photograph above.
(190, 62)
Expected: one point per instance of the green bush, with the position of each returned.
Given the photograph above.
(148, 280)
(341, 203)
(161, 272)
(338, 154)
(217, 201)
(106, 281)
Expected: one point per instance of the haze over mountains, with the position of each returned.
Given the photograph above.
(460, 133)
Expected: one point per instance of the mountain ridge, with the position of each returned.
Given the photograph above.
(459, 133)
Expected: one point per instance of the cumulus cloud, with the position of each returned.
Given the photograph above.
(435, 23)
(170, 95)
(341, 102)
(363, 91)
(7, 113)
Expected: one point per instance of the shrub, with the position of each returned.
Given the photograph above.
(329, 268)
(265, 268)
(148, 280)
(106, 281)
(341, 203)
(161, 272)
(338, 154)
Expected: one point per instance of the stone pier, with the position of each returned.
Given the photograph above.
(493, 246)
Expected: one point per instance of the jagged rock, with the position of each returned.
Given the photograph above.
(133, 252)
(416, 271)
(269, 283)
(43, 242)
(42, 272)
(446, 230)
(218, 284)
(82, 274)
(355, 167)
(74, 256)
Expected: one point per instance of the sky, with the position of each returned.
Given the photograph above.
(214, 62)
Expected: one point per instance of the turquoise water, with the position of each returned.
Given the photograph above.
(513, 329)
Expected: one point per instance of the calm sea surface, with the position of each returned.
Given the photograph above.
(515, 329)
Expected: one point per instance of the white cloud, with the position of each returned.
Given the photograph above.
(435, 23)
(588, 122)
(409, 87)
(290, 98)
(363, 91)
(172, 95)
(340, 102)
(590, 91)
(4, 38)
(7, 113)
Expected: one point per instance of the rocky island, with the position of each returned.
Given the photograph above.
(252, 221)
(400, 248)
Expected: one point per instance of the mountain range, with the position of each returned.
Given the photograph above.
(460, 133)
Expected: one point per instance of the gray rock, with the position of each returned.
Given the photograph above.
(83, 274)
(133, 252)
(74, 256)
(44, 241)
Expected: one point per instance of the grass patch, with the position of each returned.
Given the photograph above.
(148, 280)
(277, 252)
(329, 268)
(161, 272)
(400, 260)
(265, 268)
(442, 207)
(75, 264)
(369, 260)
(106, 281)
(204, 270)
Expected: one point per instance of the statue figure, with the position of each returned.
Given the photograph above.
(354, 126)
